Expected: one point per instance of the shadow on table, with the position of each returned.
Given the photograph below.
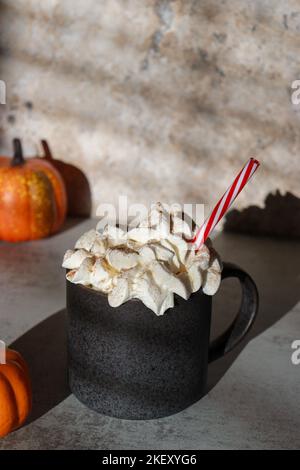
(71, 222)
(44, 348)
(280, 217)
(272, 262)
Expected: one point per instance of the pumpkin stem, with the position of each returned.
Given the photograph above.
(18, 158)
(47, 152)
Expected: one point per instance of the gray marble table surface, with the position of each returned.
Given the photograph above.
(253, 399)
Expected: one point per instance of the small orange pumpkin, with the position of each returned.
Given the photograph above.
(15, 392)
(58, 185)
(32, 199)
(76, 183)
(3, 161)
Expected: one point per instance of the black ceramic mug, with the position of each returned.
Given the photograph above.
(129, 363)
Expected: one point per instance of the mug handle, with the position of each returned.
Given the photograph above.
(245, 317)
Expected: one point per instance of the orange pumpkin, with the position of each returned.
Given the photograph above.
(3, 161)
(58, 186)
(15, 392)
(76, 183)
(32, 199)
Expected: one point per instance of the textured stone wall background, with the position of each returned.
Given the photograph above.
(156, 99)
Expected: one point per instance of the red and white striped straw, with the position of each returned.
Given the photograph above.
(225, 202)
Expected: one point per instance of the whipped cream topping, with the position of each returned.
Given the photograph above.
(151, 262)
